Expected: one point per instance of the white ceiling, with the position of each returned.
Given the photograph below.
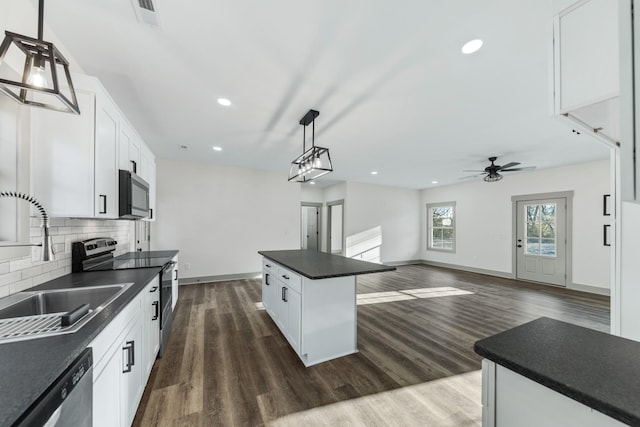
(394, 92)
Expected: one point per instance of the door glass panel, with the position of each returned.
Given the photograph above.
(540, 231)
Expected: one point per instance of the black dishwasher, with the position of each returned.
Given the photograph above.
(68, 401)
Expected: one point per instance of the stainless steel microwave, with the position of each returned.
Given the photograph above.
(133, 196)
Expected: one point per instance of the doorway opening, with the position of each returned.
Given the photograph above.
(335, 227)
(310, 221)
(542, 226)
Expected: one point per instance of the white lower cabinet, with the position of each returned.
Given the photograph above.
(174, 283)
(317, 317)
(123, 353)
(151, 334)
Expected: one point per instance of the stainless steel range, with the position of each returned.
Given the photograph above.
(97, 255)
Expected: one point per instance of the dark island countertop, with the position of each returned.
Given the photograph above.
(597, 369)
(320, 265)
(29, 367)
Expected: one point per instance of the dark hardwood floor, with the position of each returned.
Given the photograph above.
(227, 364)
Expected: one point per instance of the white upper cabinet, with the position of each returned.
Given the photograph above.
(147, 171)
(586, 81)
(75, 159)
(129, 154)
(106, 159)
(62, 159)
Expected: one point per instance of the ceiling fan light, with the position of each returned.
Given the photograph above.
(493, 177)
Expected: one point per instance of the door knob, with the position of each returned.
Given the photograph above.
(519, 246)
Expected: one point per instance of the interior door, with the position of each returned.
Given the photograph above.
(541, 242)
(310, 232)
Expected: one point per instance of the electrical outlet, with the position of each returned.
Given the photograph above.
(187, 266)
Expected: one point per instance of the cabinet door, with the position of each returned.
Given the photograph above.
(151, 335)
(174, 284)
(131, 376)
(62, 159)
(128, 149)
(152, 189)
(294, 305)
(281, 310)
(587, 54)
(106, 393)
(106, 160)
(266, 291)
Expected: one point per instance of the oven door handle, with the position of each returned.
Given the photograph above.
(168, 266)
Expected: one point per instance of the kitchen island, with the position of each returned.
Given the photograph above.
(552, 373)
(311, 296)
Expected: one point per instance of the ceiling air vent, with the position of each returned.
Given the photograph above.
(146, 12)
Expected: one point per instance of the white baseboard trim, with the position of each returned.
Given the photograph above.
(469, 269)
(573, 286)
(590, 289)
(220, 278)
(399, 263)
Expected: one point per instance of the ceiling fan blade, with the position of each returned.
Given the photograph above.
(472, 176)
(527, 168)
(473, 170)
(508, 165)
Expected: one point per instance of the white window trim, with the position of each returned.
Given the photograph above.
(430, 226)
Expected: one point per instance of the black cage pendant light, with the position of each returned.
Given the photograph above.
(314, 162)
(39, 84)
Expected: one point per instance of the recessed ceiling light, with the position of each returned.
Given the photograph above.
(434, 182)
(224, 101)
(312, 183)
(374, 172)
(471, 46)
(217, 148)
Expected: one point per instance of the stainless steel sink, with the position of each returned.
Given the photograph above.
(34, 314)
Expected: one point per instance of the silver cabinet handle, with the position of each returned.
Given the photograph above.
(130, 349)
(156, 310)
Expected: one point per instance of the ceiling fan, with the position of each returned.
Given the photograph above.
(491, 172)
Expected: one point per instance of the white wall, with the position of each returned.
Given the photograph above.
(381, 224)
(220, 217)
(390, 212)
(484, 217)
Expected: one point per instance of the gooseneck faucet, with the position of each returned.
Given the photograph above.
(47, 248)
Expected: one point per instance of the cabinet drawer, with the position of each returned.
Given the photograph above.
(269, 266)
(290, 279)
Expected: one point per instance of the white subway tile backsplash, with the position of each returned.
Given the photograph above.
(20, 263)
(30, 272)
(8, 278)
(21, 273)
(20, 285)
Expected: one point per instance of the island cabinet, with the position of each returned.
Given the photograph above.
(311, 297)
(551, 373)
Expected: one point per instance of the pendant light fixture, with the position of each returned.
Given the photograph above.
(39, 84)
(314, 162)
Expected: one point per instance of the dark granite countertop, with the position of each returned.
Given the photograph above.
(28, 368)
(320, 265)
(597, 369)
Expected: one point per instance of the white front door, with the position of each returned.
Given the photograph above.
(541, 242)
